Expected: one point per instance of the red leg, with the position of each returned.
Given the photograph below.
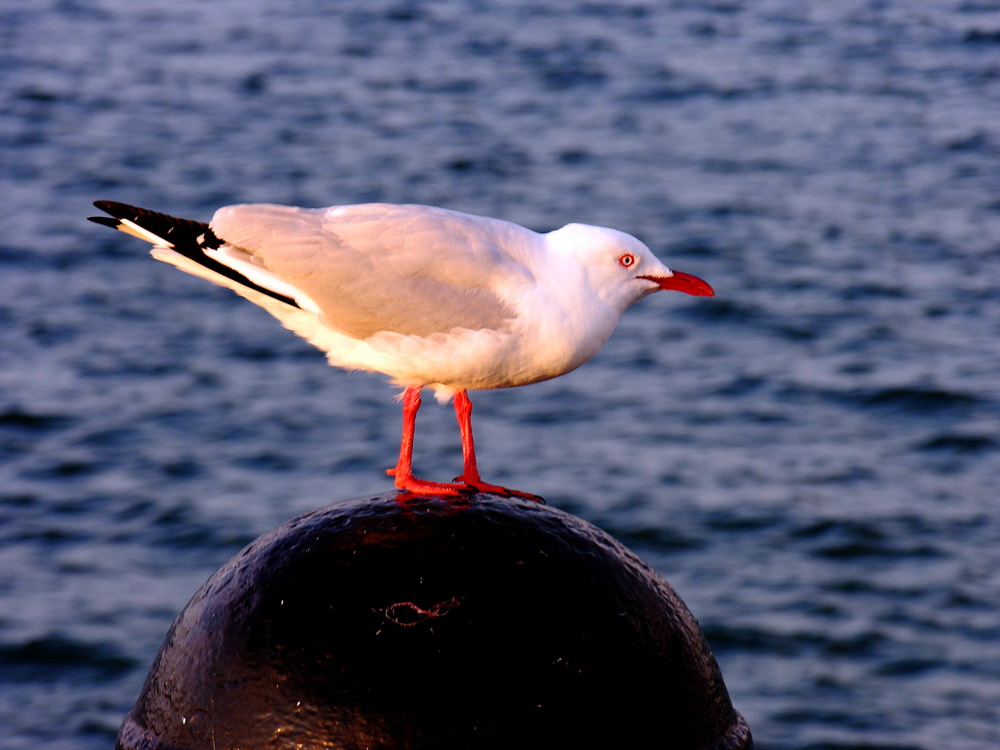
(403, 472)
(463, 412)
(470, 470)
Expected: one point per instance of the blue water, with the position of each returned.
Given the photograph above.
(810, 458)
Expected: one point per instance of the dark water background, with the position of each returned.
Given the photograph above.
(811, 458)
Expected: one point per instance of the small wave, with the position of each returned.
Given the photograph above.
(961, 444)
(21, 419)
(982, 36)
(851, 539)
(54, 658)
(915, 399)
(908, 667)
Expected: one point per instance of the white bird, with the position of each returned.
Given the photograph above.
(428, 296)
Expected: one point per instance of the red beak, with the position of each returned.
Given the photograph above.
(683, 282)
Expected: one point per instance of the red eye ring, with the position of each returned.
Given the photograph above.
(626, 260)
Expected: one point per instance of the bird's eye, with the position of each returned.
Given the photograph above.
(626, 261)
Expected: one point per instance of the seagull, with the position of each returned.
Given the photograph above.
(430, 297)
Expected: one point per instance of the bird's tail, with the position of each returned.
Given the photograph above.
(184, 243)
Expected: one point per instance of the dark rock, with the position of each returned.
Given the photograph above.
(421, 622)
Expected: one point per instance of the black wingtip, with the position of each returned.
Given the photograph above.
(189, 238)
(116, 209)
(104, 221)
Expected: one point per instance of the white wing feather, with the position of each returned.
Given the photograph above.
(412, 270)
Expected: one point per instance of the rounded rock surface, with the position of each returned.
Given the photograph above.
(422, 622)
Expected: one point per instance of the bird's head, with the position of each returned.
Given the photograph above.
(620, 268)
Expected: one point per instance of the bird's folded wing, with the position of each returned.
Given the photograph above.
(414, 270)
